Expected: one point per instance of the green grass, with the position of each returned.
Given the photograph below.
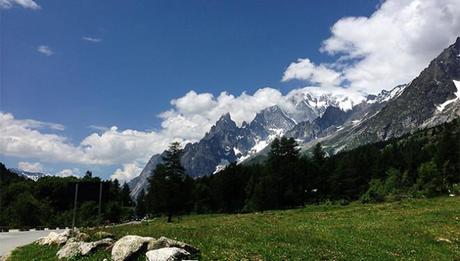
(401, 230)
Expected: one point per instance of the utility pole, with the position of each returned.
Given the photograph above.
(99, 218)
(75, 206)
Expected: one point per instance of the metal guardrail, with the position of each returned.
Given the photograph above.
(25, 228)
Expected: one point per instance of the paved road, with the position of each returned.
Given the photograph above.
(11, 240)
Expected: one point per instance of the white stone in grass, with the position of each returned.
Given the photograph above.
(54, 238)
(128, 246)
(163, 242)
(167, 254)
(74, 248)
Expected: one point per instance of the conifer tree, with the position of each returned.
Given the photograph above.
(168, 191)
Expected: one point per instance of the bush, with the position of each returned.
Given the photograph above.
(375, 193)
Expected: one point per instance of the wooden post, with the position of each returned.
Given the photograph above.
(75, 206)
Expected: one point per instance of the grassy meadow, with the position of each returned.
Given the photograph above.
(424, 229)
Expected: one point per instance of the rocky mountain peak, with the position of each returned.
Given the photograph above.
(224, 123)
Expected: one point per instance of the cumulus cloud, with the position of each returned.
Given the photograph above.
(75, 172)
(29, 4)
(31, 167)
(190, 117)
(304, 69)
(30, 139)
(44, 49)
(391, 46)
(91, 39)
(128, 172)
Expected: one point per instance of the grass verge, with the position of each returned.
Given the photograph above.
(408, 230)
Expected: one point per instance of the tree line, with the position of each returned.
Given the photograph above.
(49, 201)
(423, 164)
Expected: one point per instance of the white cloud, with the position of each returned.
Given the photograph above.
(91, 39)
(30, 4)
(128, 172)
(31, 167)
(378, 52)
(69, 173)
(190, 117)
(31, 139)
(44, 49)
(304, 69)
(28, 139)
(393, 45)
(98, 127)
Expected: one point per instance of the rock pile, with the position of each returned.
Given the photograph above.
(74, 245)
(162, 249)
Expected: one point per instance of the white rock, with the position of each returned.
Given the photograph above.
(445, 240)
(86, 247)
(164, 242)
(70, 250)
(167, 254)
(74, 248)
(54, 238)
(127, 246)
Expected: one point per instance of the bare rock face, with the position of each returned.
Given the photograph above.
(164, 242)
(127, 246)
(167, 254)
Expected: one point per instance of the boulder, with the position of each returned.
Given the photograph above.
(164, 242)
(167, 254)
(127, 246)
(87, 247)
(54, 238)
(75, 248)
(70, 250)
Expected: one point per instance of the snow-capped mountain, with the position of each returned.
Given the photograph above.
(225, 143)
(309, 112)
(430, 99)
(27, 174)
(339, 118)
(311, 102)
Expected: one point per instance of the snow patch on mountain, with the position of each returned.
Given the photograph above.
(222, 165)
(443, 105)
(308, 103)
(27, 174)
(385, 95)
(457, 85)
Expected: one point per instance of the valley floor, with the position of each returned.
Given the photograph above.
(426, 229)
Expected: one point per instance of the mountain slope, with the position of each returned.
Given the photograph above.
(430, 99)
(340, 119)
(27, 174)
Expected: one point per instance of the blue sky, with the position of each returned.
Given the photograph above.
(137, 56)
(151, 52)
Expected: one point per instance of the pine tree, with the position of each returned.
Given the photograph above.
(140, 205)
(318, 154)
(126, 200)
(168, 192)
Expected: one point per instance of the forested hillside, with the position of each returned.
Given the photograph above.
(423, 164)
(49, 201)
